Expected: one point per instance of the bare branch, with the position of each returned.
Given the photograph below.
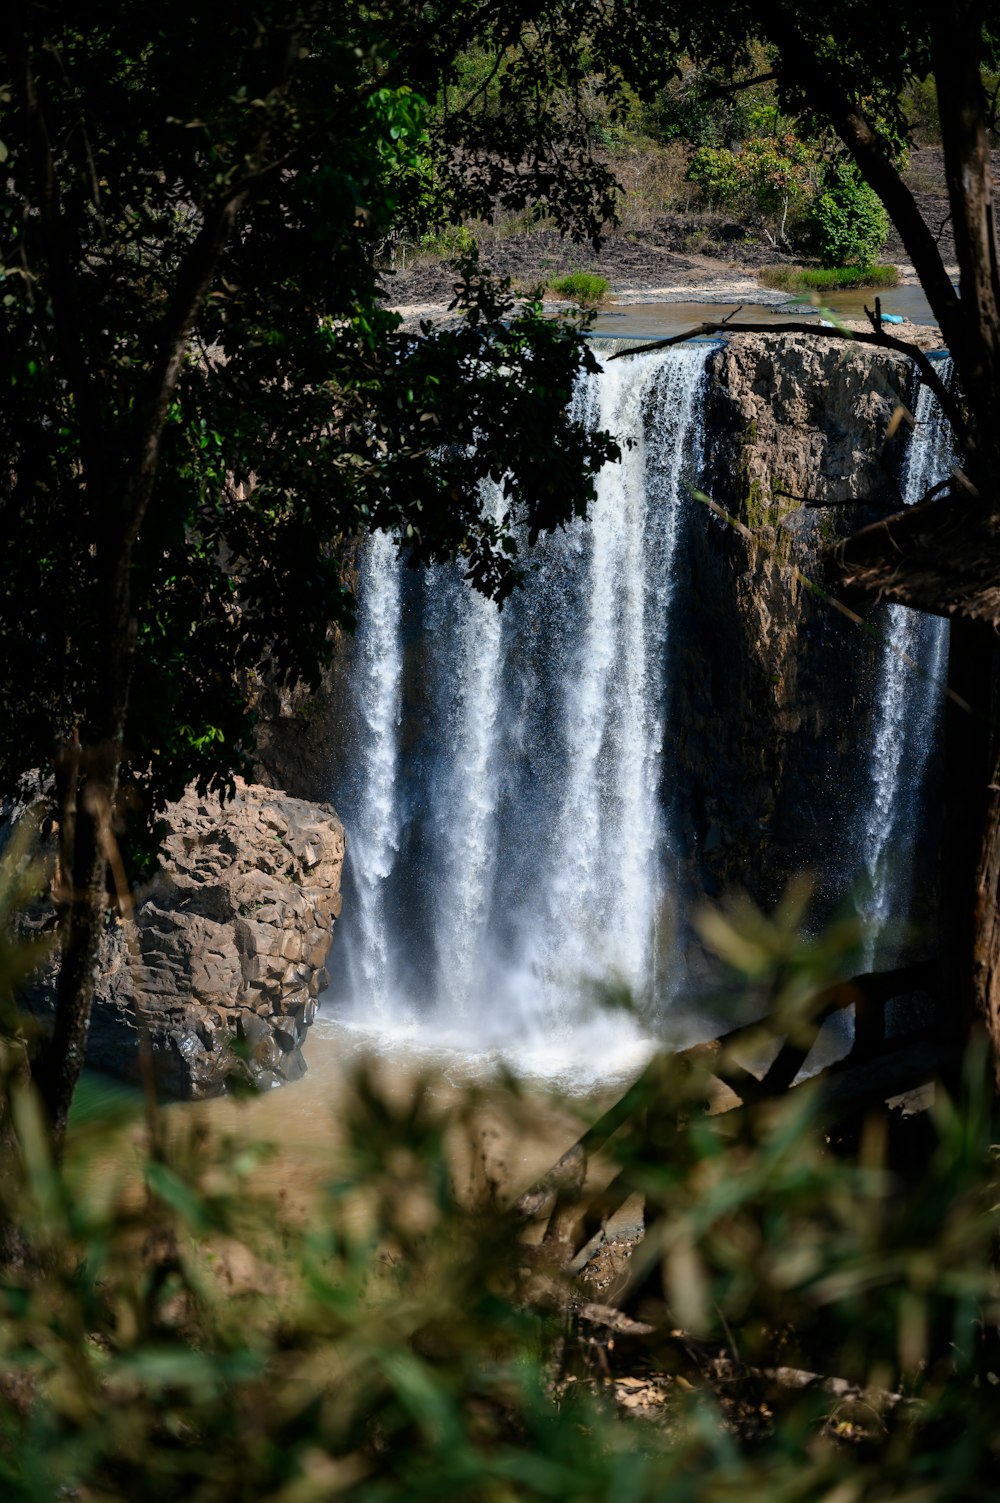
(720, 91)
(884, 341)
(815, 504)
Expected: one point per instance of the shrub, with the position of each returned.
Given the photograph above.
(451, 242)
(204, 1343)
(768, 183)
(819, 1312)
(848, 222)
(826, 278)
(583, 287)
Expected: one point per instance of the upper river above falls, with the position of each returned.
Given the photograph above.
(626, 318)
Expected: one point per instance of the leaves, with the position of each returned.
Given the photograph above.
(301, 412)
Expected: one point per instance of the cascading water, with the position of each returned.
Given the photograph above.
(377, 706)
(508, 847)
(909, 704)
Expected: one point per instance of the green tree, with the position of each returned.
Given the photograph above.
(847, 219)
(206, 399)
(768, 182)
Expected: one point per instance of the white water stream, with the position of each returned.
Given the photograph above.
(510, 852)
(507, 844)
(909, 703)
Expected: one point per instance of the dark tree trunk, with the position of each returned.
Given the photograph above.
(85, 809)
(971, 855)
(87, 785)
(970, 324)
(970, 833)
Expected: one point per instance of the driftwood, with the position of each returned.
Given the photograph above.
(851, 1400)
(881, 340)
(708, 1077)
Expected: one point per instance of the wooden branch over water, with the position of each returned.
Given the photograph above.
(882, 341)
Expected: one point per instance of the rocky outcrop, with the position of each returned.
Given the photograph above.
(774, 686)
(294, 730)
(219, 969)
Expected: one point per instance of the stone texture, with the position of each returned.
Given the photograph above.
(226, 952)
(772, 687)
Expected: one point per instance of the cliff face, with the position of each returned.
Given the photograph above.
(774, 686)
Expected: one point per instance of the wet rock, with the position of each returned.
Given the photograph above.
(773, 686)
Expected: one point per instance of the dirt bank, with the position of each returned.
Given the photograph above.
(640, 269)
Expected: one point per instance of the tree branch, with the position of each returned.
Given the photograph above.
(720, 91)
(949, 406)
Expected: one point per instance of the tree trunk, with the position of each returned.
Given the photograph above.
(970, 828)
(87, 784)
(984, 904)
(85, 810)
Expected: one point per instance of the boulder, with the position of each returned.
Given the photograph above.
(220, 963)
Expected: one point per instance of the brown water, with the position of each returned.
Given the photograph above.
(502, 1133)
(662, 320)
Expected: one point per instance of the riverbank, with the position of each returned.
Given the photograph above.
(693, 257)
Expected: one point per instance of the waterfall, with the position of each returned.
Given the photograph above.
(508, 845)
(909, 703)
(377, 696)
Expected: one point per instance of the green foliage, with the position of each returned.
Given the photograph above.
(167, 1329)
(920, 105)
(826, 278)
(453, 241)
(848, 221)
(691, 109)
(195, 1338)
(768, 182)
(582, 287)
(206, 396)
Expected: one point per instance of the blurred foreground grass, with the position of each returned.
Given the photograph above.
(192, 1340)
(169, 1328)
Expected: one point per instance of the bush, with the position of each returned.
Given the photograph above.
(451, 242)
(920, 108)
(768, 183)
(582, 287)
(847, 221)
(172, 1332)
(826, 278)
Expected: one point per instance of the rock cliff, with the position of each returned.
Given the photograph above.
(773, 684)
(219, 969)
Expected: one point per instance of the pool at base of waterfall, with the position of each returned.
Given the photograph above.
(574, 1059)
